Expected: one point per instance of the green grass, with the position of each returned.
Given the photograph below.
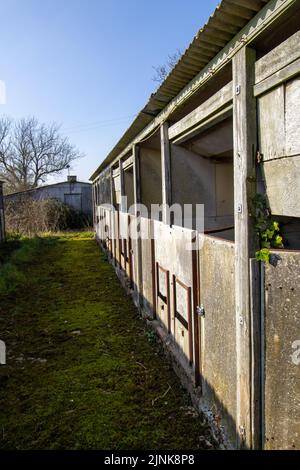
(15, 258)
(82, 372)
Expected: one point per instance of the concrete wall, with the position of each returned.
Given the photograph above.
(150, 177)
(282, 362)
(199, 180)
(173, 254)
(128, 186)
(167, 293)
(116, 182)
(103, 188)
(148, 270)
(218, 349)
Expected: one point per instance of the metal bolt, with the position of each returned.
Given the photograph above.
(238, 89)
(200, 310)
(241, 320)
(239, 208)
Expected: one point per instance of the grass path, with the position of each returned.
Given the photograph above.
(81, 372)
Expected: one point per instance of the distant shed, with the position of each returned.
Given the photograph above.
(75, 194)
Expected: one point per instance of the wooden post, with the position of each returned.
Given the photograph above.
(122, 186)
(136, 175)
(137, 200)
(245, 137)
(111, 187)
(114, 229)
(93, 202)
(165, 170)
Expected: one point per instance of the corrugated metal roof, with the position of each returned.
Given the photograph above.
(226, 21)
(46, 186)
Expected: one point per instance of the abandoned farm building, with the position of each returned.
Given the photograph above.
(221, 130)
(73, 193)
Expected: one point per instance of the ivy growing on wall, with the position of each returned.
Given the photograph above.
(267, 229)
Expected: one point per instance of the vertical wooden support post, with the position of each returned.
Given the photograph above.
(136, 174)
(114, 228)
(153, 269)
(121, 209)
(137, 200)
(93, 202)
(111, 187)
(196, 302)
(245, 138)
(165, 170)
(122, 186)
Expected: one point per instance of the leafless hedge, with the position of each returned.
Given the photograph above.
(29, 217)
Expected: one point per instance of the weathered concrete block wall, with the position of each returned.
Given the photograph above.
(104, 189)
(167, 292)
(282, 353)
(218, 330)
(174, 275)
(150, 177)
(116, 190)
(148, 268)
(199, 180)
(128, 187)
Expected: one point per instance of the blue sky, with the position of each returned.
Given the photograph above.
(87, 64)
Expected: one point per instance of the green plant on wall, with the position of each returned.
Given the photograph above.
(267, 229)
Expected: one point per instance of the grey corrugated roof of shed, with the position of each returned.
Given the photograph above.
(228, 19)
(47, 186)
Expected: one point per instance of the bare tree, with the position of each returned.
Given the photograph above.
(161, 71)
(30, 152)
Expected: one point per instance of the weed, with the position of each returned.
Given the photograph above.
(151, 336)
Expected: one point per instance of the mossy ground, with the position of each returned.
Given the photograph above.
(81, 373)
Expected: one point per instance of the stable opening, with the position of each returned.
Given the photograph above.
(202, 173)
(150, 172)
(116, 188)
(129, 187)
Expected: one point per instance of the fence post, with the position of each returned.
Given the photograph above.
(245, 141)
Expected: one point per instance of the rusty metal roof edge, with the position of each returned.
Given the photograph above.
(139, 122)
